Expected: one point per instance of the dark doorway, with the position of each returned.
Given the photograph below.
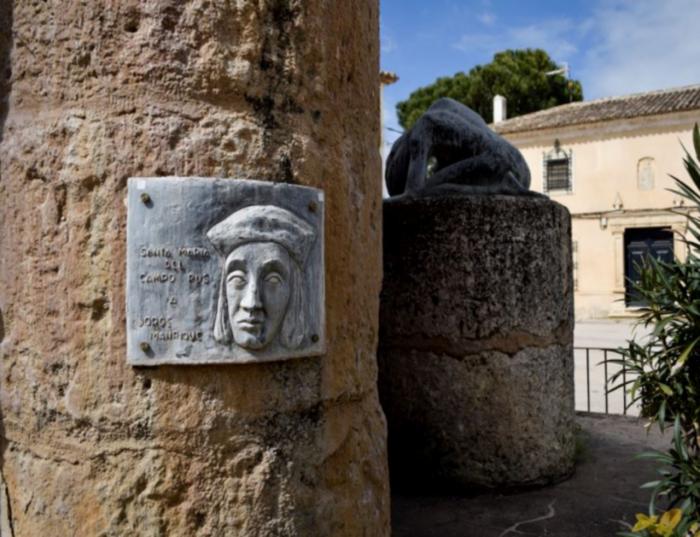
(640, 244)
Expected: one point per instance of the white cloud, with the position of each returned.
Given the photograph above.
(642, 45)
(390, 123)
(486, 18)
(558, 36)
(387, 43)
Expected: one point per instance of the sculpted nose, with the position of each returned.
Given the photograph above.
(251, 297)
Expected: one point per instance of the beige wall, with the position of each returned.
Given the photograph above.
(605, 160)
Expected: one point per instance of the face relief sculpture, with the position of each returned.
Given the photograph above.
(260, 304)
(258, 287)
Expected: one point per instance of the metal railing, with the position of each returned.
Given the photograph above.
(593, 369)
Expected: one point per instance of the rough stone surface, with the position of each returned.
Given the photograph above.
(5, 515)
(476, 333)
(101, 91)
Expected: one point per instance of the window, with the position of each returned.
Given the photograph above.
(640, 244)
(557, 169)
(558, 174)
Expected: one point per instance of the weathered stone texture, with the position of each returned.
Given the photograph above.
(476, 330)
(100, 91)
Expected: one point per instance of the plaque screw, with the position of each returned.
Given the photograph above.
(145, 347)
(314, 338)
(145, 198)
(312, 206)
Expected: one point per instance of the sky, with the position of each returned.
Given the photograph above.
(614, 47)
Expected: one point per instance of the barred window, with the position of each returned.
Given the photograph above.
(558, 177)
(557, 169)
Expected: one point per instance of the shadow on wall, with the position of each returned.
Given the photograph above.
(6, 10)
(6, 41)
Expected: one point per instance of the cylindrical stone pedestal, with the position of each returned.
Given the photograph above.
(476, 331)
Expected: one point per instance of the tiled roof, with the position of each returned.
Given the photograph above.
(627, 106)
(388, 77)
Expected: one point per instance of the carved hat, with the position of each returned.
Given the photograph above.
(264, 223)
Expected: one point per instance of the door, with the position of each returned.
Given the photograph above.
(640, 243)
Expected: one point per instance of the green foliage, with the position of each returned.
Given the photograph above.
(680, 474)
(518, 75)
(663, 372)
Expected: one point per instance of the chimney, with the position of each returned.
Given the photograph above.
(499, 108)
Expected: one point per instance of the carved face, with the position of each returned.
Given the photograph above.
(258, 287)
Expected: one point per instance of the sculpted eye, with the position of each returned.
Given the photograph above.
(273, 278)
(237, 279)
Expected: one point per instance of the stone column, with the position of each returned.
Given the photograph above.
(476, 335)
(279, 90)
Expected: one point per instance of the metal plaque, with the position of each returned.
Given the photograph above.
(223, 271)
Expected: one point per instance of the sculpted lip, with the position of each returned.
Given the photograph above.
(249, 323)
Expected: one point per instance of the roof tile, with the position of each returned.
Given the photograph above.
(627, 106)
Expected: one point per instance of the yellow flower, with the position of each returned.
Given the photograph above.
(644, 522)
(669, 521)
(694, 530)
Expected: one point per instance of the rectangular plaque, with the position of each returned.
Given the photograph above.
(223, 271)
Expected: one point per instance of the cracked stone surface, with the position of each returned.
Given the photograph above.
(476, 333)
(602, 496)
(92, 93)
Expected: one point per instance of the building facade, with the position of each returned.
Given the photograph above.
(609, 162)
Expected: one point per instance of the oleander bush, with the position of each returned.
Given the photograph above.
(663, 373)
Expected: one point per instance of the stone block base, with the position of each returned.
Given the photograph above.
(476, 333)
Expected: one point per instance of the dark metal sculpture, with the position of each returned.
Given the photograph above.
(450, 148)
